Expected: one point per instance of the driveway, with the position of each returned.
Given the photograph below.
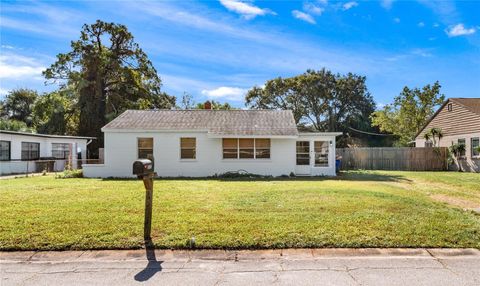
(269, 267)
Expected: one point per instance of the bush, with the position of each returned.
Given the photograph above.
(68, 173)
(238, 174)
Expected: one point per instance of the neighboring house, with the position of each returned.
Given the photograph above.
(22, 152)
(198, 143)
(459, 119)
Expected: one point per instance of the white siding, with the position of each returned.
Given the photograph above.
(121, 152)
(16, 166)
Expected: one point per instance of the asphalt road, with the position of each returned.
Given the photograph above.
(277, 267)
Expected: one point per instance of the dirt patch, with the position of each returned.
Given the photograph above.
(455, 201)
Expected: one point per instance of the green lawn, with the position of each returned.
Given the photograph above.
(356, 209)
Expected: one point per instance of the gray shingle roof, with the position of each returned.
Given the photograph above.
(218, 122)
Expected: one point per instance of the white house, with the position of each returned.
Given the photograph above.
(198, 143)
(22, 152)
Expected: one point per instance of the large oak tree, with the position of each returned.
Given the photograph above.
(320, 100)
(110, 73)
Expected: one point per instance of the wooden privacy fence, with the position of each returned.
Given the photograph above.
(392, 158)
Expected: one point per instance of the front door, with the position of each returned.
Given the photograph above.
(303, 158)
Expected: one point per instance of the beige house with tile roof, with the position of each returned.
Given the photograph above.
(459, 119)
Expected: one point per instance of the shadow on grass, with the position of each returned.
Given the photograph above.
(347, 176)
(153, 265)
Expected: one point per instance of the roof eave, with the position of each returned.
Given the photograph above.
(214, 135)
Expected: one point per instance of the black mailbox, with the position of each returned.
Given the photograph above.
(142, 167)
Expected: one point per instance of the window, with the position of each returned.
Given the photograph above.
(60, 150)
(230, 148)
(303, 153)
(30, 151)
(262, 148)
(428, 144)
(321, 153)
(462, 142)
(4, 150)
(246, 148)
(145, 148)
(188, 148)
(449, 107)
(475, 142)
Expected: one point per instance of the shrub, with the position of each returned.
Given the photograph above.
(68, 173)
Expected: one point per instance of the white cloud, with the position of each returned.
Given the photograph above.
(13, 66)
(225, 92)
(387, 4)
(39, 18)
(436, 25)
(313, 9)
(7, 47)
(421, 24)
(422, 52)
(349, 5)
(247, 10)
(396, 20)
(303, 16)
(459, 30)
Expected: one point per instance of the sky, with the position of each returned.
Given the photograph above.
(220, 49)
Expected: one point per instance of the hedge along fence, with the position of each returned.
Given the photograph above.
(392, 158)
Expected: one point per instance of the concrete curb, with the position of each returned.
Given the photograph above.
(236, 255)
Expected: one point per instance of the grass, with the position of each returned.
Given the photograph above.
(357, 209)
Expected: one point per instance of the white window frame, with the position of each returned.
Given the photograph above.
(315, 154)
(195, 149)
(66, 152)
(254, 150)
(472, 148)
(138, 146)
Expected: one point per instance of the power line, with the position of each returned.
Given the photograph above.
(370, 133)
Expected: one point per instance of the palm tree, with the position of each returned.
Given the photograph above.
(457, 150)
(434, 133)
(427, 136)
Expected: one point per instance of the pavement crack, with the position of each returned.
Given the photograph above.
(220, 275)
(442, 263)
(348, 271)
(184, 264)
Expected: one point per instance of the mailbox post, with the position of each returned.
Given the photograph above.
(144, 169)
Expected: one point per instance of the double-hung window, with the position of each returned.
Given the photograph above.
(60, 150)
(188, 148)
(475, 142)
(246, 148)
(30, 151)
(262, 148)
(230, 148)
(5, 150)
(145, 148)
